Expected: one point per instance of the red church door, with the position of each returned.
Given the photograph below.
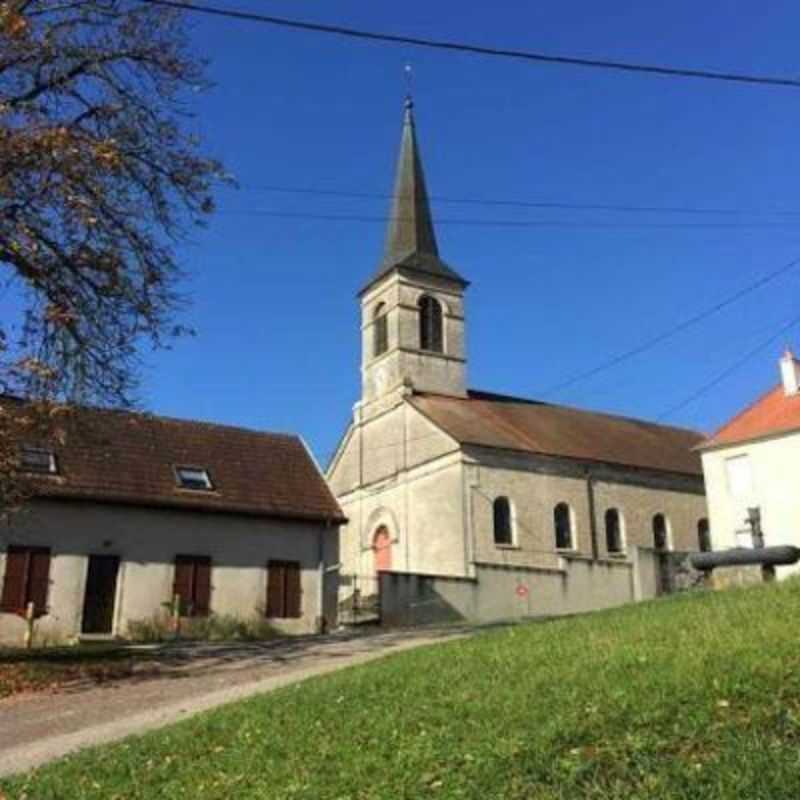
(382, 545)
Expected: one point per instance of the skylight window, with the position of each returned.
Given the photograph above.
(38, 459)
(195, 478)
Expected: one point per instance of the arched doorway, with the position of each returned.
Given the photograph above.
(382, 548)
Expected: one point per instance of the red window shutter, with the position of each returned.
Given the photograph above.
(184, 574)
(293, 590)
(15, 580)
(39, 579)
(202, 586)
(276, 574)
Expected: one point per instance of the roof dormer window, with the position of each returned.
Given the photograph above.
(38, 459)
(194, 478)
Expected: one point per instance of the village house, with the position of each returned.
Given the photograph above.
(470, 504)
(750, 471)
(131, 510)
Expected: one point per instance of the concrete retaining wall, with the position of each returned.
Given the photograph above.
(510, 592)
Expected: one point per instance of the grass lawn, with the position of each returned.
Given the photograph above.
(50, 668)
(686, 697)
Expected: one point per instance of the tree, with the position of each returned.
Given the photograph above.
(98, 184)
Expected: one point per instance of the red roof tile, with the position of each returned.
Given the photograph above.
(773, 412)
(530, 426)
(119, 456)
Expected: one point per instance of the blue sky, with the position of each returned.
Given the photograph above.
(274, 298)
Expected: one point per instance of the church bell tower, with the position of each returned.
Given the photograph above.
(412, 308)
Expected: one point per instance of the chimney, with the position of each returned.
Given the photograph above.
(790, 372)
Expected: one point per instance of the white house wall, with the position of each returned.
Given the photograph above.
(774, 489)
(147, 541)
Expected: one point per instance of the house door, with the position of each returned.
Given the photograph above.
(101, 590)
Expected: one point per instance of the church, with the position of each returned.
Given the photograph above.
(466, 504)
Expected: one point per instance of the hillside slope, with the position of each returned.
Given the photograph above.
(687, 697)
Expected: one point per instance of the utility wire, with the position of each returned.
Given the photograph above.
(464, 47)
(539, 204)
(509, 223)
(730, 370)
(649, 344)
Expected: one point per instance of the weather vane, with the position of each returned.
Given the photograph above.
(409, 73)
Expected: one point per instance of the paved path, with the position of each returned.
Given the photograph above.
(35, 729)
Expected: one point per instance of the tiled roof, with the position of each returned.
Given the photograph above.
(510, 423)
(120, 456)
(773, 412)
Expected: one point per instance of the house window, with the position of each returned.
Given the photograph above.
(503, 527)
(380, 330)
(26, 580)
(430, 324)
(194, 478)
(740, 476)
(284, 590)
(614, 538)
(660, 532)
(703, 536)
(38, 459)
(193, 585)
(562, 522)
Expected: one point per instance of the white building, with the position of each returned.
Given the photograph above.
(130, 510)
(750, 465)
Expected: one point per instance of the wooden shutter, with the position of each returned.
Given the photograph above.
(276, 574)
(15, 580)
(38, 579)
(182, 585)
(202, 586)
(292, 604)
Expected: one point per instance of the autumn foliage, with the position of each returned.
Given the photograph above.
(98, 184)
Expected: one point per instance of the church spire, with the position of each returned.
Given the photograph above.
(410, 226)
(411, 238)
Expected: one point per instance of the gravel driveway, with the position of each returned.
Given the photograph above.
(192, 677)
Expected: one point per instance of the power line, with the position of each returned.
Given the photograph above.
(464, 47)
(649, 344)
(538, 204)
(730, 370)
(511, 223)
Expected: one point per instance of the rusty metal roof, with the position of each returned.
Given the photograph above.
(127, 457)
(410, 238)
(510, 423)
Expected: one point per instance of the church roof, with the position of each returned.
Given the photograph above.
(410, 238)
(530, 426)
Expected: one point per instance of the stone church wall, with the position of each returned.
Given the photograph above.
(535, 486)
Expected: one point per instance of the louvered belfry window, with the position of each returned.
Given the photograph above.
(26, 580)
(431, 335)
(193, 585)
(284, 590)
(380, 330)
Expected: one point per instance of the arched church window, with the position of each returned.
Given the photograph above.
(503, 527)
(430, 324)
(660, 532)
(703, 536)
(562, 522)
(380, 330)
(614, 540)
